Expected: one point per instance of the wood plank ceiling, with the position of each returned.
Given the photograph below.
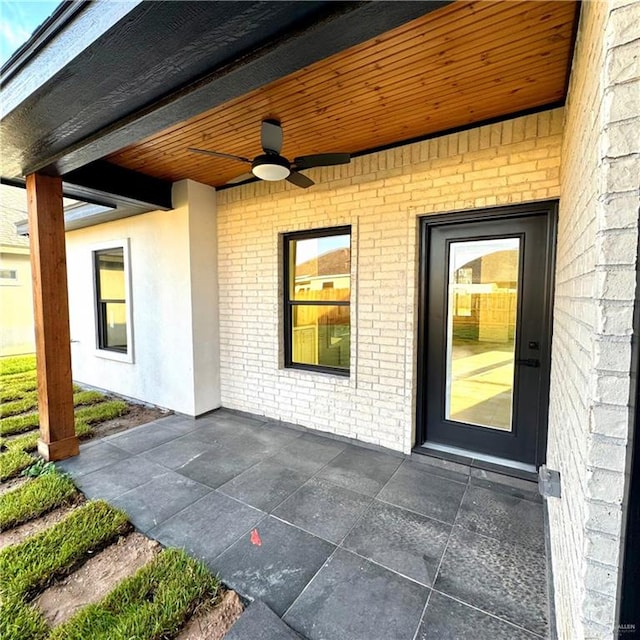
(467, 62)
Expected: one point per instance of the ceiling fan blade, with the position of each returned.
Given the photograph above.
(271, 136)
(299, 180)
(217, 154)
(321, 160)
(242, 178)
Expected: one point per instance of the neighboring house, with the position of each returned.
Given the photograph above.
(16, 296)
(481, 299)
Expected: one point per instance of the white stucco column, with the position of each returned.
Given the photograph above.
(205, 322)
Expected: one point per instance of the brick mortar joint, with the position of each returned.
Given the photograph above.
(611, 440)
(616, 84)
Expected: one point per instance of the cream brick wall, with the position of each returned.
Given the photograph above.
(380, 195)
(595, 290)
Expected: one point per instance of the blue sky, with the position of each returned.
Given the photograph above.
(18, 20)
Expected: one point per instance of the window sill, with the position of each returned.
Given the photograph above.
(114, 355)
(340, 379)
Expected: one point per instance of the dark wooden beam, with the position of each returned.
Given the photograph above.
(104, 182)
(58, 439)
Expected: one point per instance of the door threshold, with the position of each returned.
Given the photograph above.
(479, 461)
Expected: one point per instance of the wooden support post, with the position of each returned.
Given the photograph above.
(58, 439)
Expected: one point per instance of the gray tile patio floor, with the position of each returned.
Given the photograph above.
(342, 542)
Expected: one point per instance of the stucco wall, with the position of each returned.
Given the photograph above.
(595, 290)
(204, 297)
(380, 196)
(16, 304)
(173, 300)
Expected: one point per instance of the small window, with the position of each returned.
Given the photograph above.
(111, 300)
(8, 274)
(317, 272)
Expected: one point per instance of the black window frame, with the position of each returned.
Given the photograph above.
(101, 304)
(289, 303)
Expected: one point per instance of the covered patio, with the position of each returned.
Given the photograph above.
(339, 540)
(390, 125)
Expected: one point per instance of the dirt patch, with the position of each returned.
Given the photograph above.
(138, 414)
(96, 578)
(10, 485)
(23, 531)
(212, 621)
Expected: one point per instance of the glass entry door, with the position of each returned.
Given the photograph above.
(485, 357)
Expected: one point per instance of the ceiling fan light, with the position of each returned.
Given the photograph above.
(270, 172)
(270, 167)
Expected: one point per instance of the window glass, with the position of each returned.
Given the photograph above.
(481, 331)
(115, 325)
(321, 335)
(111, 299)
(111, 270)
(317, 319)
(321, 263)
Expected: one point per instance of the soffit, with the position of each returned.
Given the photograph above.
(14, 214)
(468, 62)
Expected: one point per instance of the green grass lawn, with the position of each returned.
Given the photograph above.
(35, 498)
(19, 420)
(29, 566)
(152, 604)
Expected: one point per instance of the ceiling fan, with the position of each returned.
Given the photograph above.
(272, 166)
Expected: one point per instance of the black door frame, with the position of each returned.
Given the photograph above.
(426, 224)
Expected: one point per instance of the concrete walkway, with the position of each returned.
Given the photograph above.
(340, 541)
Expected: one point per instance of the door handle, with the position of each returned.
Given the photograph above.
(528, 362)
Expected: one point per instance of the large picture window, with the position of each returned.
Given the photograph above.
(111, 299)
(317, 271)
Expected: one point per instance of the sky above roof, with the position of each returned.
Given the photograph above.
(18, 20)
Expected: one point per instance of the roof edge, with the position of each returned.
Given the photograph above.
(44, 33)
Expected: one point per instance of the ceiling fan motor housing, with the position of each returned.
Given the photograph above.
(271, 166)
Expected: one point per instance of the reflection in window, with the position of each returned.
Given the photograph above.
(111, 299)
(481, 330)
(318, 291)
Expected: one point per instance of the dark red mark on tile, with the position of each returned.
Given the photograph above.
(255, 538)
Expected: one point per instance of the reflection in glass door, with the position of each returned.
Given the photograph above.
(482, 304)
